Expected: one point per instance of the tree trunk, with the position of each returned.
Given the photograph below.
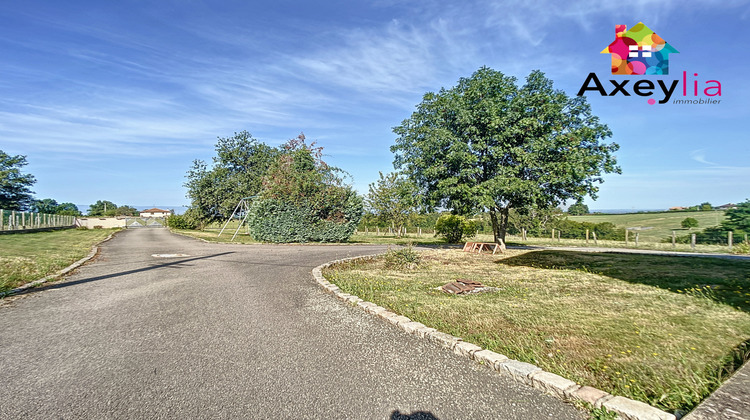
(499, 224)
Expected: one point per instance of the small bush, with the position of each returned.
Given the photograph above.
(689, 223)
(177, 221)
(406, 258)
(453, 227)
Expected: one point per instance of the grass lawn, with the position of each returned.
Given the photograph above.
(25, 257)
(663, 223)
(212, 235)
(663, 330)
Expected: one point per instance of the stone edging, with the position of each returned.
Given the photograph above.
(526, 373)
(92, 253)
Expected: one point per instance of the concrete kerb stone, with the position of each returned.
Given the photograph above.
(553, 384)
(66, 270)
(520, 371)
(593, 396)
(462, 348)
(489, 358)
(635, 410)
(526, 373)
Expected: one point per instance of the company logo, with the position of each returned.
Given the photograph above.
(640, 51)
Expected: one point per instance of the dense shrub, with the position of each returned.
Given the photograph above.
(177, 221)
(303, 199)
(453, 227)
(275, 220)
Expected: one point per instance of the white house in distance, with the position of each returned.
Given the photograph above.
(155, 213)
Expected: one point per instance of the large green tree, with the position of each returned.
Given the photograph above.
(67, 209)
(102, 208)
(51, 206)
(393, 198)
(578, 208)
(488, 144)
(45, 205)
(738, 219)
(15, 193)
(237, 172)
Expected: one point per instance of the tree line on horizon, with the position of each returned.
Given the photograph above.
(16, 194)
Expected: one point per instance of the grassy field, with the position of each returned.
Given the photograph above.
(663, 223)
(663, 330)
(25, 257)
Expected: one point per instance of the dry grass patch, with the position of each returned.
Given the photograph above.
(645, 327)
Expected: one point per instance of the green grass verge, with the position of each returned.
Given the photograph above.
(414, 239)
(662, 223)
(663, 330)
(25, 257)
(212, 235)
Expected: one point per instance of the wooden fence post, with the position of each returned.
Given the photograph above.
(674, 239)
(692, 241)
(626, 237)
(595, 241)
(636, 239)
(558, 236)
(2, 220)
(730, 240)
(553, 234)
(587, 236)
(524, 234)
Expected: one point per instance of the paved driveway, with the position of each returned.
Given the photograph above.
(230, 331)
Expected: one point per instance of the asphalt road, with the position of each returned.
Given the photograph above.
(230, 331)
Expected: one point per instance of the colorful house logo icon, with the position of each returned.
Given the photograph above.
(639, 51)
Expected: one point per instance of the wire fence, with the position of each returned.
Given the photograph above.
(731, 242)
(11, 220)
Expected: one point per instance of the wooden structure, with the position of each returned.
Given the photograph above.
(478, 247)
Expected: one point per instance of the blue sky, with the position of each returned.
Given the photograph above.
(114, 100)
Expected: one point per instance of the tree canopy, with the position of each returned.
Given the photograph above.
(237, 172)
(102, 208)
(578, 208)
(51, 206)
(488, 144)
(392, 198)
(15, 193)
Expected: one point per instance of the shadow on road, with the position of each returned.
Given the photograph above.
(417, 415)
(171, 264)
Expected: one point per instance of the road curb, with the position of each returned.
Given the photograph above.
(66, 270)
(526, 373)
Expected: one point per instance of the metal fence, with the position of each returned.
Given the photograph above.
(11, 220)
